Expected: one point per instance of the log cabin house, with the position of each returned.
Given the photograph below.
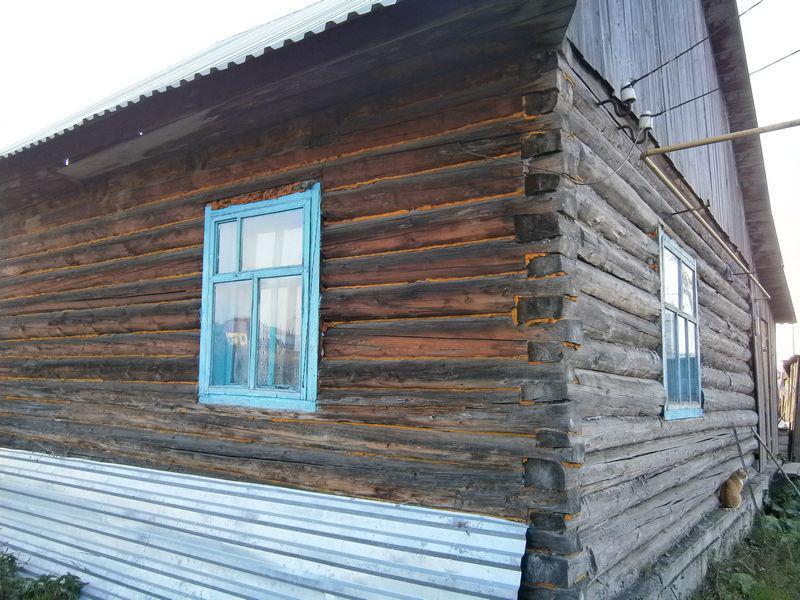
(378, 300)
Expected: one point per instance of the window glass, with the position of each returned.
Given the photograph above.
(693, 363)
(671, 355)
(670, 278)
(687, 289)
(226, 247)
(279, 323)
(230, 343)
(272, 240)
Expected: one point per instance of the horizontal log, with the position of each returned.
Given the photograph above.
(726, 309)
(449, 225)
(603, 219)
(607, 468)
(454, 338)
(616, 292)
(727, 381)
(122, 392)
(171, 288)
(163, 237)
(650, 518)
(498, 490)
(714, 400)
(604, 394)
(723, 344)
(478, 295)
(437, 374)
(165, 316)
(172, 368)
(723, 328)
(125, 270)
(605, 323)
(616, 359)
(484, 257)
(142, 344)
(611, 432)
(425, 183)
(608, 257)
(596, 508)
(710, 357)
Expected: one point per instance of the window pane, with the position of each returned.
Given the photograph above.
(274, 240)
(683, 367)
(687, 289)
(692, 363)
(279, 326)
(226, 247)
(671, 356)
(670, 278)
(230, 343)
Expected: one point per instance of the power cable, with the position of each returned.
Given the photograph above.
(722, 26)
(704, 94)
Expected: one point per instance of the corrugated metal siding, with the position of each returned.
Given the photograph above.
(141, 533)
(294, 27)
(623, 40)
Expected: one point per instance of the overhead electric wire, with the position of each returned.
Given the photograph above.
(704, 94)
(722, 26)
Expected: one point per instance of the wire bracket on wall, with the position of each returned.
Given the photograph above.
(624, 104)
(705, 206)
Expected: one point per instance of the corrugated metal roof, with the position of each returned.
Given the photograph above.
(294, 27)
(132, 533)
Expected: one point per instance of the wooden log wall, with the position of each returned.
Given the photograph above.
(644, 482)
(427, 394)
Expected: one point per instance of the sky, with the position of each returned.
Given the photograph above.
(60, 57)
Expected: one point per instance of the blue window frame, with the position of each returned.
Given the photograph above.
(680, 332)
(259, 321)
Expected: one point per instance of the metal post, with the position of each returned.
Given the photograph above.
(744, 468)
(775, 460)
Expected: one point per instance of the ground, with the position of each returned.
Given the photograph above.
(47, 587)
(766, 564)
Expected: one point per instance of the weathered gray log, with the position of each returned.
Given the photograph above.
(604, 394)
(608, 257)
(608, 544)
(604, 322)
(721, 400)
(613, 501)
(617, 359)
(723, 344)
(603, 219)
(687, 562)
(727, 381)
(616, 292)
(611, 467)
(611, 432)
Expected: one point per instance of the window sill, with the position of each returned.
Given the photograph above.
(682, 411)
(268, 402)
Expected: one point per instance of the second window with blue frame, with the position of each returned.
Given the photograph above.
(680, 347)
(260, 306)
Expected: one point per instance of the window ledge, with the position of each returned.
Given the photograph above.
(682, 411)
(260, 401)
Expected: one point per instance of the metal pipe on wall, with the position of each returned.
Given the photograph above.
(706, 225)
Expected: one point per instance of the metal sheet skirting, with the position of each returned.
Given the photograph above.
(141, 533)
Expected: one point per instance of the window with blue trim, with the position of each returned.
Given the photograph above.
(680, 340)
(259, 329)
